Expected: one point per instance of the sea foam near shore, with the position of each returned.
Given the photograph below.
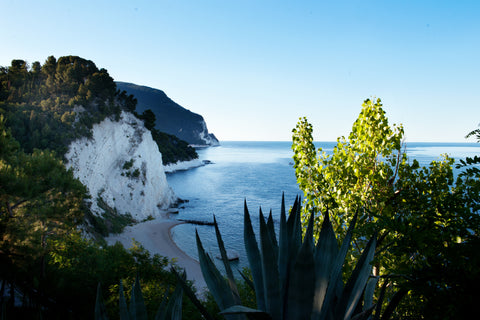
(183, 165)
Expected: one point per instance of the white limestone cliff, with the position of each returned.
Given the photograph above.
(122, 166)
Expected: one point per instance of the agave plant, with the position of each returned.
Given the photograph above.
(293, 278)
(138, 311)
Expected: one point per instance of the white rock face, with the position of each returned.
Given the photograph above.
(209, 139)
(122, 165)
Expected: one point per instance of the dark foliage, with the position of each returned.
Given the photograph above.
(47, 106)
(47, 270)
(172, 148)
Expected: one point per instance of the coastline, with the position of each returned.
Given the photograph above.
(155, 236)
(183, 165)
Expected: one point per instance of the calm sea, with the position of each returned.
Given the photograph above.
(258, 172)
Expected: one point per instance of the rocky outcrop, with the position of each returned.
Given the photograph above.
(208, 139)
(122, 168)
(170, 116)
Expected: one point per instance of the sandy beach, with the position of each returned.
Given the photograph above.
(155, 236)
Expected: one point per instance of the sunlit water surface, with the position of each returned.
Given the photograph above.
(258, 172)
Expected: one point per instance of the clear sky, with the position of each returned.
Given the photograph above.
(252, 68)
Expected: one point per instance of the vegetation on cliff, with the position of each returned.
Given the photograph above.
(47, 106)
(47, 268)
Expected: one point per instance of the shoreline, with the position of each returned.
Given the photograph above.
(183, 165)
(155, 236)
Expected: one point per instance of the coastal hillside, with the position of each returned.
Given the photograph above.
(71, 107)
(77, 163)
(170, 116)
(48, 106)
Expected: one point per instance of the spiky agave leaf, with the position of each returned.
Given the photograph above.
(369, 292)
(226, 263)
(326, 252)
(302, 279)
(138, 310)
(162, 309)
(174, 306)
(294, 231)
(254, 259)
(219, 288)
(122, 302)
(253, 314)
(356, 283)
(271, 231)
(294, 225)
(397, 297)
(381, 297)
(270, 271)
(190, 294)
(335, 286)
(287, 281)
(100, 310)
(246, 279)
(365, 314)
(283, 253)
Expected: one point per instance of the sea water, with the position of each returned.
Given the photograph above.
(257, 173)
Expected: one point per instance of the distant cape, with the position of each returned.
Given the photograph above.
(170, 116)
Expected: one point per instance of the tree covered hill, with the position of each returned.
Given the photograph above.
(170, 116)
(48, 106)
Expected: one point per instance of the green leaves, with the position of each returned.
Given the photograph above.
(360, 172)
(420, 213)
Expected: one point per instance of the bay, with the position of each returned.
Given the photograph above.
(258, 173)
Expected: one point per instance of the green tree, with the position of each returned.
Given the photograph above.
(46, 107)
(360, 174)
(149, 119)
(420, 213)
(39, 201)
(470, 164)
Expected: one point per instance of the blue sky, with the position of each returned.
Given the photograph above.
(252, 68)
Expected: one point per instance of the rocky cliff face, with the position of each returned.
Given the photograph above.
(170, 116)
(205, 137)
(122, 168)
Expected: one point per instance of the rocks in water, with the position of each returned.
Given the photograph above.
(174, 208)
